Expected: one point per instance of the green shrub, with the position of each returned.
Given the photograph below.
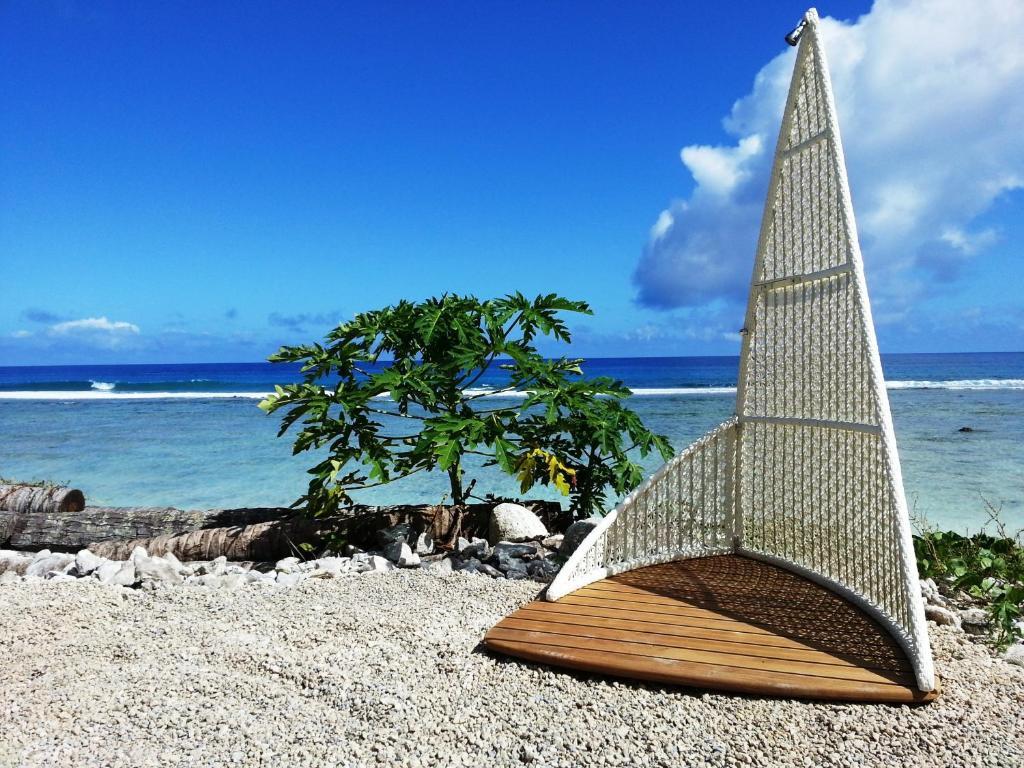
(987, 567)
(418, 365)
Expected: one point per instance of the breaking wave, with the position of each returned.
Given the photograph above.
(103, 390)
(959, 384)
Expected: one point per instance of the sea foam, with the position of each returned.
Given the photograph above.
(102, 390)
(959, 384)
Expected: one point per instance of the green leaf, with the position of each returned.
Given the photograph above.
(503, 451)
(448, 453)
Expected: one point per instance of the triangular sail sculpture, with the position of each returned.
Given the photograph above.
(806, 475)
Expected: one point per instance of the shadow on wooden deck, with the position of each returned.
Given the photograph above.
(725, 623)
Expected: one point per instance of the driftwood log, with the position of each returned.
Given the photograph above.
(40, 499)
(72, 531)
(260, 542)
(260, 533)
(269, 541)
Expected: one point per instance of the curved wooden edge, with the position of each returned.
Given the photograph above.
(726, 623)
(711, 677)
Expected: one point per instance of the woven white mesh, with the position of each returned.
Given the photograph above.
(820, 488)
(686, 509)
(807, 476)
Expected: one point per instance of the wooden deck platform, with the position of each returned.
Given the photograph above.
(724, 623)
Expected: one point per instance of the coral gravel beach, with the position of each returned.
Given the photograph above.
(385, 669)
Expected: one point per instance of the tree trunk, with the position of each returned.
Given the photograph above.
(72, 531)
(40, 499)
(455, 478)
(259, 542)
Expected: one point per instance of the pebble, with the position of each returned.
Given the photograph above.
(975, 621)
(469, 564)
(518, 573)
(399, 553)
(44, 563)
(400, 532)
(554, 541)
(441, 567)
(941, 615)
(342, 674)
(366, 562)
(543, 570)
(506, 554)
(287, 565)
(118, 574)
(1015, 654)
(154, 569)
(424, 544)
(290, 579)
(12, 560)
(478, 548)
(86, 562)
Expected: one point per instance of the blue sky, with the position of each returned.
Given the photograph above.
(204, 181)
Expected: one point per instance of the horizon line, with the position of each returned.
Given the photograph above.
(582, 357)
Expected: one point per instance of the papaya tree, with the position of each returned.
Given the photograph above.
(398, 391)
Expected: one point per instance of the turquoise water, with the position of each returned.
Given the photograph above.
(202, 451)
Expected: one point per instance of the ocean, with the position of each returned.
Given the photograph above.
(192, 436)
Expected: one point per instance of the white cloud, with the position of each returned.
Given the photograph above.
(719, 170)
(662, 225)
(94, 324)
(102, 340)
(96, 332)
(969, 243)
(929, 94)
(706, 326)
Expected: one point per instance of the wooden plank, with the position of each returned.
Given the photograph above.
(767, 613)
(697, 594)
(696, 629)
(748, 609)
(804, 610)
(521, 620)
(710, 676)
(727, 623)
(678, 609)
(653, 597)
(738, 661)
(805, 625)
(602, 610)
(542, 611)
